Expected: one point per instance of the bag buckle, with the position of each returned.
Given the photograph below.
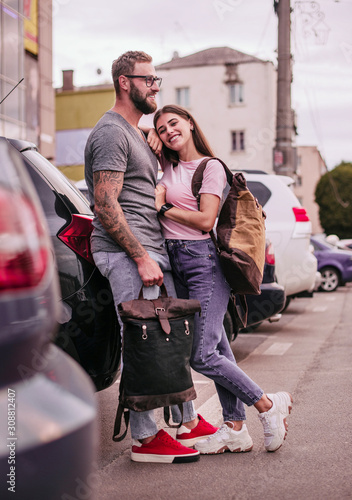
(158, 310)
(164, 322)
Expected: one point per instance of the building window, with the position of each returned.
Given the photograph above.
(238, 143)
(235, 93)
(182, 97)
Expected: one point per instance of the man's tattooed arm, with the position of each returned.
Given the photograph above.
(107, 188)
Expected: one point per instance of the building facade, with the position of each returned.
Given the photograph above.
(311, 167)
(232, 96)
(28, 111)
(77, 112)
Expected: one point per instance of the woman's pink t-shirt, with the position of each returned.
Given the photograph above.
(177, 181)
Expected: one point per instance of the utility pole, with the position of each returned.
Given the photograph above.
(284, 152)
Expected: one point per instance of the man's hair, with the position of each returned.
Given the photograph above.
(124, 65)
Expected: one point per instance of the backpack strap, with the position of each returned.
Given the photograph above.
(167, 416)
(125, 413)
(197, 178)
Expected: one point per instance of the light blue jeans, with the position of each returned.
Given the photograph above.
(198, 275)
(126, 283)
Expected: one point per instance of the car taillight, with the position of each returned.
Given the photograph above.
(24, 246)
(77, 236)
(300, 214)
(269, 254)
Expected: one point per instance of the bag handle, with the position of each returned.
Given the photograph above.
(163, 292)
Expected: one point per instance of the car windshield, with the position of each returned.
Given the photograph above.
(57, 179)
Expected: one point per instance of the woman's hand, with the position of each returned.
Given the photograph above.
(160, 196)
(154, 142)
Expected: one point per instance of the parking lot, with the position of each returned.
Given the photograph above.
(306, 353)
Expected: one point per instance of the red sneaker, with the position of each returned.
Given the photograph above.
(189, 437)
(163, 449)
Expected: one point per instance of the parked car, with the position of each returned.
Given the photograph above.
(345, 244)
(47, 401)
(334, 264)
(88, 326)
(288, 227)
(266, 306)
(82, 187)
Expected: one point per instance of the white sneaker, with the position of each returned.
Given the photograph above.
(274, 420)
(226, 439)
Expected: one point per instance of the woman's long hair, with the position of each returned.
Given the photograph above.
(200, 142)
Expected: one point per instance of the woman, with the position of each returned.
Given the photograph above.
(198, 275)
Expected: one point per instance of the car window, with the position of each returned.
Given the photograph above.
(49, 201)
(60, 183)
(261, 192)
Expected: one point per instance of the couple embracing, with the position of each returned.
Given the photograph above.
(152, 234)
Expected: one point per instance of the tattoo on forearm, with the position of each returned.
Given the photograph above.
(107, 188)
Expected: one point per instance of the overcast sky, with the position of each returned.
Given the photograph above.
(89, 35)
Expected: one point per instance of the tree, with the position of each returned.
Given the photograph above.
(333, 194)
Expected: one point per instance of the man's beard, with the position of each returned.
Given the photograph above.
(141, 102)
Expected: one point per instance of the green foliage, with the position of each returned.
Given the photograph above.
(333, 194)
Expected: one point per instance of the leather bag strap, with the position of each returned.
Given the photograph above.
(125, 413)
(161, 314)
(167, 416)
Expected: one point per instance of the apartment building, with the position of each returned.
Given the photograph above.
(232, 96)
(310, 168)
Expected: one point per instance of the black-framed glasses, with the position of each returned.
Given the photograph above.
(149, 80)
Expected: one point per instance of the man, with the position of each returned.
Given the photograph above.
(127, 244)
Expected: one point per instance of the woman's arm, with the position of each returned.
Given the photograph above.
(202, 219)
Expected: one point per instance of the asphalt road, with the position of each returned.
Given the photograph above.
(308, 353)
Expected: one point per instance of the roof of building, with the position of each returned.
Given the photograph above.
(209, 57)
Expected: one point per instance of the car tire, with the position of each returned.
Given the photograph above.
(330, 279)
(287, 303)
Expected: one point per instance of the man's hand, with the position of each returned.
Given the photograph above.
(149, 271)
(160, 196)
(154, 142)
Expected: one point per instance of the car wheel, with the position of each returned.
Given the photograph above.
(330, 279)
(287, 303)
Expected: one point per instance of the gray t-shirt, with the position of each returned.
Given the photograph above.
(115, 145)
